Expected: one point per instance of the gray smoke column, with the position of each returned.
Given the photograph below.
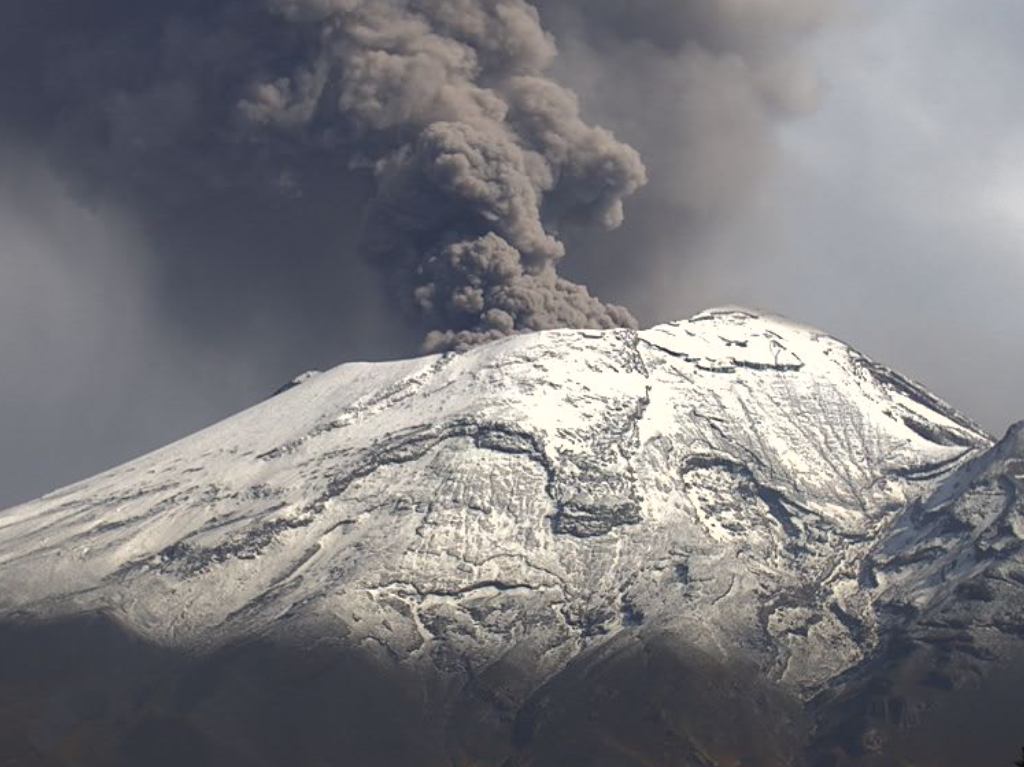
(477, 156)
(269, 149)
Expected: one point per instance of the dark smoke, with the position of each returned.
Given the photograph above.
(475, 153)
(433, 127)
(443, 107)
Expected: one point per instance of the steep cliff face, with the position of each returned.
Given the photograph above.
(761, 503)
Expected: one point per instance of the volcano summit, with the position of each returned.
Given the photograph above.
(728, 540)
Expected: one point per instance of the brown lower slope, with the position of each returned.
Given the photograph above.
(86, 693)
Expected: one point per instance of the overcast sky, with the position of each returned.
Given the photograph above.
(890, 215)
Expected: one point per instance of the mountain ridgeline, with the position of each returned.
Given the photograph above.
(730, 540)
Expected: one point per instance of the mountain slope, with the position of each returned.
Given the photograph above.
(733, 488)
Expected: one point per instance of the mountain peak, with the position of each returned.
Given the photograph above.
(1015, 435)
(735, 481)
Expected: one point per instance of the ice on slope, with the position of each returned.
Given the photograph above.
(723, 477)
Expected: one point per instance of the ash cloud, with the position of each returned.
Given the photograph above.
(476, 155)
(275, 162)
(433, 128)
(700, 89)
(441, 113)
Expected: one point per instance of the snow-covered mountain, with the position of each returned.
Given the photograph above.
(504, 528)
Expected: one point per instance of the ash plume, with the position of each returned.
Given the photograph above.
(430, 139)
(473, 151)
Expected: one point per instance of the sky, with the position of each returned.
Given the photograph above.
(180, 235)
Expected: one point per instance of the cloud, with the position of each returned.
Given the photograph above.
(290, 184)
(81, 352)
(176, 108)
(467, 139)
(700, 89)
(440, 113)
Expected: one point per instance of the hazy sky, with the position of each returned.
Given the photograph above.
(884, 204)
(895, 218)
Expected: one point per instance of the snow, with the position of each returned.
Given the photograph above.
(726, 477)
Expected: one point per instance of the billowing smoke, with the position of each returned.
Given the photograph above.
(429, 137)
(271, 163)
(476, 154)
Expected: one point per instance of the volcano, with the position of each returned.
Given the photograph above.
(730, 540)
